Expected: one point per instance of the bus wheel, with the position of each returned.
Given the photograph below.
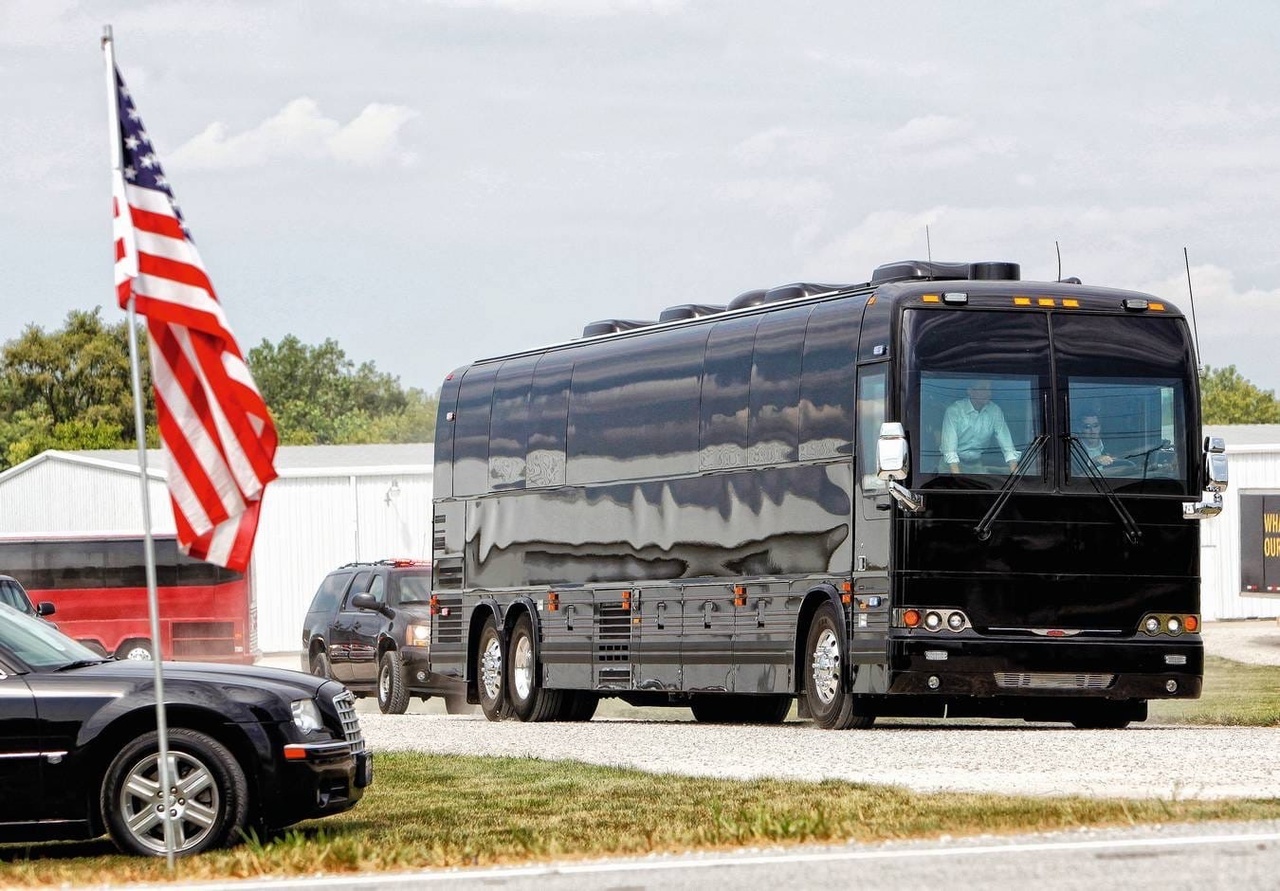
(731, 708)
(489, 671)
(135, 649)
(830, 706)
(529, 699)
(577, 705)
(393, 696)
(1103, 716)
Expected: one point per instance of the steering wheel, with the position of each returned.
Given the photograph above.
(1118, 467)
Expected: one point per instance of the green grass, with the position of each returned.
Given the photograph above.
(1235, 694)
(437, 811)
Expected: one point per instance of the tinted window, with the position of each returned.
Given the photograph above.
(548, 420)
(410, 587)
(330, 592)
(471, 431)
(826, 381)
(725, 386)
(445, 411)
(11, 594)
(774, 426)
(632, 406)
(508, 430)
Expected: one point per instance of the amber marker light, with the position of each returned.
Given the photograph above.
(1046, 301)
(553, 601)
(739, 595)
(931, 298)
(1070, 303)
(1021, 301)
(911, 618)
(1191, 623)
(295, 753)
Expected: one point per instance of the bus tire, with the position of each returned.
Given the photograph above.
(216, 814)
(530, 701)
(135, 649)
(738, 708)
(491, 682)
(393, 695)
(830, 705)
(577, 705)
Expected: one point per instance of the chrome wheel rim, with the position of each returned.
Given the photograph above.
(522, 668)
(194, 811)
(384, 683)
(491, 669)
(826, 666)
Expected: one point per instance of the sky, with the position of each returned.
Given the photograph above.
(429, 182)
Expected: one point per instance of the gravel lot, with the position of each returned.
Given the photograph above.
(1144, 761)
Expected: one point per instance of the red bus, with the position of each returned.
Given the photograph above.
(99, 586)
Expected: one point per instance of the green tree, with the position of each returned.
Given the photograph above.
(69, 389)
(318, 396)
(1227, 398)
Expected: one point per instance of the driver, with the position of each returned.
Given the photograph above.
(1091, 439)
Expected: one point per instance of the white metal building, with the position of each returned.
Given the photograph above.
(330, 505)
(1253, 456)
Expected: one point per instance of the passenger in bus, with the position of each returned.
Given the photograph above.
(1091, 439)
(968, 427)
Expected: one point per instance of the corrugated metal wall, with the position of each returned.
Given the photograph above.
(1251, 468)
(42, 499)
(312, 524)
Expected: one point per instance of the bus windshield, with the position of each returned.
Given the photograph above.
(1107, 393)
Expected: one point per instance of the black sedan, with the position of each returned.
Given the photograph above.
(250, 748)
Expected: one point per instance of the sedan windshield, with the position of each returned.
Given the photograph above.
(38, 644)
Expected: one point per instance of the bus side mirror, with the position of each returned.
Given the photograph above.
(891, 452)
(1215, 464)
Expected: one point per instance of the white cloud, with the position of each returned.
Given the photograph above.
(300, 131)
(572, 8)
(785, 145)
(927, 132)
(781, 197)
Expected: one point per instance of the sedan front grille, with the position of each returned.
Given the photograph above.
(1047, 680)
(345, 703)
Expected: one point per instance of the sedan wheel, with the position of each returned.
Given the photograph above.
(209, 795)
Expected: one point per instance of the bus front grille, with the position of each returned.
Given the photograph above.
(1048, 680)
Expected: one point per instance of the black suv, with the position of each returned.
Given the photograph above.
(369, 626)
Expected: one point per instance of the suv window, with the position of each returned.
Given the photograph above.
(410, 587)
(378, 588)
(359, 586)
(330, 592)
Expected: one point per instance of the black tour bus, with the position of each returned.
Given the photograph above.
(735, 506)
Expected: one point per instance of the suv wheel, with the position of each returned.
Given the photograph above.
(320, 665)
(393, 696)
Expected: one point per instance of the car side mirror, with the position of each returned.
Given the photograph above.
(45, 608)
(892, 453)
(367, 601)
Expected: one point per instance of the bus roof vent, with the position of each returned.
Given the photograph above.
(995, 271)
(926, 270)
(781, 292)
(613, 326)
(689, 311)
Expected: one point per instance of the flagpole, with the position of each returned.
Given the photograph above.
(167, 781)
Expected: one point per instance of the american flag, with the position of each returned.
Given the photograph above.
(218, 437)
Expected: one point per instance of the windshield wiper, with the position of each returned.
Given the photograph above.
(1130, 526)
(80, 663)
(983, 529)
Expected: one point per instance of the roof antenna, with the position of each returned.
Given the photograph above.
(1059, 250)
(928, 246)
(1195, 327)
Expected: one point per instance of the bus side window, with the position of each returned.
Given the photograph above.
(725, 381)
(871, 414)
(826, 399)
(548, 421)
(471, 431)
(508, 431)
(774, 427)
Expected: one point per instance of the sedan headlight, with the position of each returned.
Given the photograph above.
(417, 635)
(306, 715)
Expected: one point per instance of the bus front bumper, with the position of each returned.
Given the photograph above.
(973, 665)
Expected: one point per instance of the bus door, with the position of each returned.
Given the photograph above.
(871, 610)
(656, 625)
(706, 650)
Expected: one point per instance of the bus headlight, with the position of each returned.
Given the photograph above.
(1151, 625)
(933, 620)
